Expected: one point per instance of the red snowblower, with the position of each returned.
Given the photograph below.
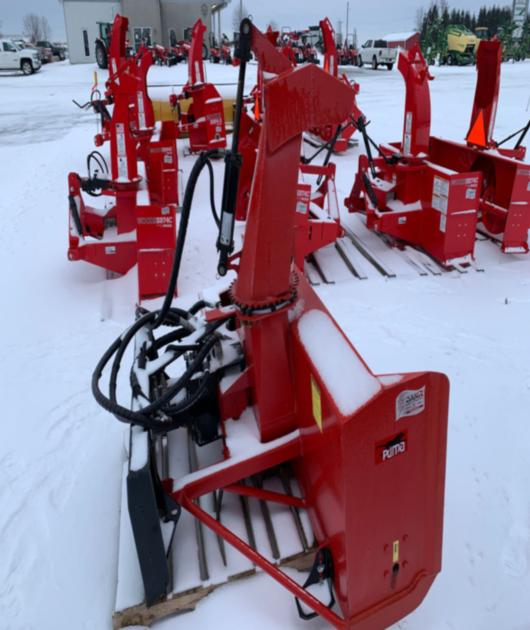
(342, 137)
(431, 192)
(131, 218)
(260, 389)
(317, 211)
(204, 120)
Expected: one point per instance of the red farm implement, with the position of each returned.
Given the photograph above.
(317, 215)
(132, 216)
(341, 136)
(271, 381)
(433, 193)
(204, 120)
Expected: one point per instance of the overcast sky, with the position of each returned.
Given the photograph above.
(371, 18)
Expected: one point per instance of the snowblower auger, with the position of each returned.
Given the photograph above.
(135, 219)
(204, 119)
(266, 378)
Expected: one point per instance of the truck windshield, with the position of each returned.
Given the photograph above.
(8, 47)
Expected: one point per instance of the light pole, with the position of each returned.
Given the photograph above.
(347, 22)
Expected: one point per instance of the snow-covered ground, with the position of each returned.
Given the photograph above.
(60, 455)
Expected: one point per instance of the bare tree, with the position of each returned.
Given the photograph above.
(240, 12)
(420, 17)
(36, 28)
(31, 25)
(45, 28)
(1, 28)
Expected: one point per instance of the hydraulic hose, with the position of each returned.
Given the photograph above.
(162, 414)
(200, 163)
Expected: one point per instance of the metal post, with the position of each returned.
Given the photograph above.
(347, 21)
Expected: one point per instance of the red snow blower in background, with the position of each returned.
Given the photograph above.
(132, 216)
(431, 192)
(266, 378)
(331, 64)
(204, 120)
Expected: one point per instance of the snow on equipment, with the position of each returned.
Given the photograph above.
(260, 381)
(331, 64)
(132, 219)
(204, 120)
(432, 192)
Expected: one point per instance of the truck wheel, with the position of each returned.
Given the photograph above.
(450, 60)
(390, 66)
(359, 61)
(27, 67)
(374, 63)
(101, 56)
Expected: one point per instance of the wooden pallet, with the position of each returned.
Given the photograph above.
(186, 601)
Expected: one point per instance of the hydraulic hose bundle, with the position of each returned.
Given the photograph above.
(162, 414)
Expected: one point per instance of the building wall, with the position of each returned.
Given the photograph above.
(141, 14)
(159, 15)
(181, 15)
(83, 16)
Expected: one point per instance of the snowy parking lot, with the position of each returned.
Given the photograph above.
(61, 455)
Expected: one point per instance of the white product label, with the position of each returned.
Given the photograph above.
(440, 194)
(443, 222)
(122, 167)
(141, 110)
(110, 249)
(402, 220)
(407, 136)
(407, 144)
(120, 138)
(471, 193)
(410, 402)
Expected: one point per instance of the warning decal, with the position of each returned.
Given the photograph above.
(410, 402)
(317, 403)
(395, 551)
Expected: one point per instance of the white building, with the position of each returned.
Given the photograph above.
(154, 21)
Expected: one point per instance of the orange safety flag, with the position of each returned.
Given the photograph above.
(477, 134)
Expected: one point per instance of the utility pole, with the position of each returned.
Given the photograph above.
(347, 21)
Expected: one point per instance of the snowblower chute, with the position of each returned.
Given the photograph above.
(269, 380)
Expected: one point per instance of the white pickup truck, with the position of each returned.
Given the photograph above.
(27, 60)
(376, 52)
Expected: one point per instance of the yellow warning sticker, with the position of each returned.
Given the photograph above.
(317, 404)
(395, 552)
